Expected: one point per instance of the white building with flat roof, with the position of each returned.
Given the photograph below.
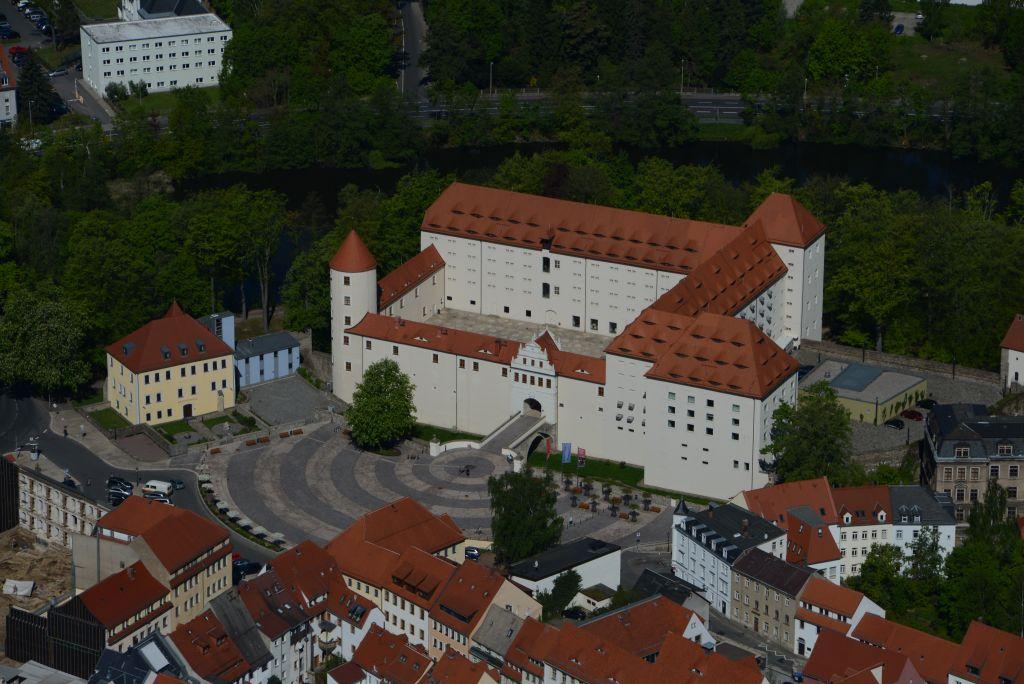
(168, 53)
(657, 341)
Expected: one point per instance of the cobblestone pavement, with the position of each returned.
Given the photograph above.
(287, 400)
(317, 485)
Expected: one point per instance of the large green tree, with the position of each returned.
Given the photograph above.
(382, 410)
(523, 517)
(565, 588)
(813, 439)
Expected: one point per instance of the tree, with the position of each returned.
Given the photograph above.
(881, 577)
(523, 517)
(875, 10)
(813, 439)
(116, 91)
(261, 238)
(382, 410)
(35, 94)
(565, 588)
(934, 22)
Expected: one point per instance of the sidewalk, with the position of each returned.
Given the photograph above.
(98, 443)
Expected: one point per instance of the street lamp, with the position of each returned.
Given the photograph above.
(490, 79)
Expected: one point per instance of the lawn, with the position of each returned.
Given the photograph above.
(109, 419)
(98, 9)
(211, 422)
(429, 432)
(915, 60)
(163, 103)
(175, 428)
(53, 58)
(88, 400)
(244, 420)
(613, 473)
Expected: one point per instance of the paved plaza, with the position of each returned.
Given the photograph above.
(318, 484)
(288, 400)
(575, 341)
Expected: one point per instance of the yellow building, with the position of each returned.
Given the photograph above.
(170, 369)
(871, 395)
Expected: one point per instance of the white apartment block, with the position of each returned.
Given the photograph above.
(167, 53)
(658, 341)
(53, 511)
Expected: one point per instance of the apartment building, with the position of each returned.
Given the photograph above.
(284, 626)
(764, 594)
(53, 511)
(828, 607)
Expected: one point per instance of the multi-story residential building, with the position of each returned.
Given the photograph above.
(285, 627)
(915, 508)
(349, 618)
(865, 519)
(842, 660)
(657, 340)
(764, 594)
(594, 560)
(828, 607)
(257, 359)
(52, 510)
(987, 654)
(706, 544)
(965, 448)
(494, 636)
(931, 656)
(153, 660)
(384, 658)
(8, 92)
(1011, 359)
(210, 651)
(167, 53)
(640, 626)
(169, 369)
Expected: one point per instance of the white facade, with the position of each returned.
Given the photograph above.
(174, 52)
(1013, 369)
(606, 570)
(8, 103)
(856, 542)
(807, 632)
(353, 295)
(52, 512)
(402, 616)
(346, 636)
(804, 290)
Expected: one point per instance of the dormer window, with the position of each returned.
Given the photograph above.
(183, 349)
(847, 519)
(165, 352)
(201, 346)
(962, 451)
(881, 516)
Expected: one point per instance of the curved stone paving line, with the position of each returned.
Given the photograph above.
(248, 500)
(429, 493)
(284, 502)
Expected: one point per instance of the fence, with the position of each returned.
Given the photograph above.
(895, 361)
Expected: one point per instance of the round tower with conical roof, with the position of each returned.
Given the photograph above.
(353, 295)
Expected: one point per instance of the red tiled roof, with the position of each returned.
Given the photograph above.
(307, 569)
(728, 280)
(123, 595)
(353, 256)
(642, 627)
(570, 365)
(167, 679)
(833, 597)
(839, 659)
(391, 657)
(822, 621)
(466, 597)
(786, 221)
(727, 355)
(5, 66)
(996, 656)
(586, 656)
(135, 515)
(347, 605)
(407, 276)
(684, 662)
(272, 605)
(583, 230)
(809, 544)
(181, 538)
(448, 340)
(864, 504)
(346, 673)
(773, 503)
(931, 656)
(530, 644)
(169, 341)
(1014, 338)
(359, 558)
(419, 577)
(455, 668)
(406, 522)
(649, 335)
(209, 650)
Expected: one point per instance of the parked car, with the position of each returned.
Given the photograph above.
(114, 479)
(178, 485)
(119, 489)
(911, 414)
(802, 371)
(895, 424)
(574, 613)
(472, 553)
(115, 500)
(17, 50)
(246, 567)
(927, 404)
(61, 71)
(154, 496)
(9, 34)
(157, 487)
(898, 30)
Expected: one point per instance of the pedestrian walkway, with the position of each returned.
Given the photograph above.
(505, 437)
(71, 424)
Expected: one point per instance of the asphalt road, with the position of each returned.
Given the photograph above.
(24, 418)
(779, 665)
(413, 41)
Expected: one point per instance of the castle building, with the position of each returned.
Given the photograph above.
(657, 341)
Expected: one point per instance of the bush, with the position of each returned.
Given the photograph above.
(116, 92)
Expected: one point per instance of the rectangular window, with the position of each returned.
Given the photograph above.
(435, 358)
(476, 366)
(593, 324)
(394, 350)
(575, 321)
(462, 363)
(1014, 471)
(368, 345)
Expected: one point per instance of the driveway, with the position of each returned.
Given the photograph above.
(909, 21)
(414, 38)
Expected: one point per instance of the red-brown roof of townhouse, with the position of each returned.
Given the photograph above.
(274, 607)
(649, 335)
(823, 621)
(864, 504)
(419, 577)
(455, 668)
(773, 503)
(995, 655)
(407, 276)
(786, 221)
(306, 568)
(571, 365)
(5, 66)
(353, 256)
(209, 649)
(391, 657)
(530, 644)
(135, 515)
(642, 628)
(342, 602)
(179, 539)
(406, 522)
(584, 230)
(834, 597)
(589, 657)
(172, 340)
(809, 544)
(725, 354)
(728, 280)
(466, 597)
(359, 558)
(837, 658)
(930, 655)
(1014, 338)
(123, 595)
(684, 662)
(427, 336)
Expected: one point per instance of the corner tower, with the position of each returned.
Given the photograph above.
(353, 295)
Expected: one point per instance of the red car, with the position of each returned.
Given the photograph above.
(911, 414)
(17, 50)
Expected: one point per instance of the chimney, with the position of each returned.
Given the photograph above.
(744, 526)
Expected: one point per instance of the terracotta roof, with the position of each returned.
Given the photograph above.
(346, 673)
(839, 659)
(1014, 338)
(931, 656)
(455, 668)
(833, 597)
(407, 276)
(359, 558)
(864, 504)
(649, 335)
(786, 221)
(684, 662)
(448, 340)
(406, 522)
(172, 340)
(583, 230)
(347, 605)
(587, 656)
(641, 628)
(996, 656)
(167, 679)
(823, 621)
(729, 280)
(727, 355)
(466, 597)
(307, 569)
(209, 649)
(179, 539)
(135, 515)
(570, 365)
(123, 595)
(5, 67)
(353, 256)
(272, 605)
(809, 543)
(774, 502)
(530, 644)
(419, 577)
(391, 657)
